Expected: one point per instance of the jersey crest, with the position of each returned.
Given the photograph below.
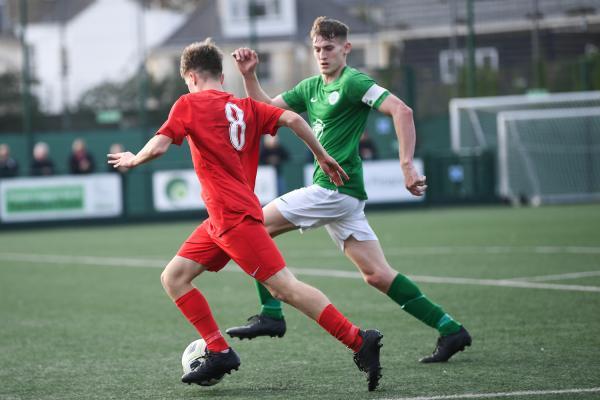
(333, 97)
(318, 128)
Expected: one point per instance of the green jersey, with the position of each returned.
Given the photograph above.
(338, 113)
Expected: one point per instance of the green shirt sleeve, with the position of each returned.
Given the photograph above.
(363, 89)
(295, 98)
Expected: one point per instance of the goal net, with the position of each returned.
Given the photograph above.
(549, 155)
(473, 121)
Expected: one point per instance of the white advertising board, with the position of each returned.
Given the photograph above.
(60, 197)
(179, 190)
(384, 181)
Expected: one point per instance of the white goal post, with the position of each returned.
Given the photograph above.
(549, 155)
(473, 120)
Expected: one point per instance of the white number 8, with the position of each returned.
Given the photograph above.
(237, 126)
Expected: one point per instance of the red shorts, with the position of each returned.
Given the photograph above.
(248, 244)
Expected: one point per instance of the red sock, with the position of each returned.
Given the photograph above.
(196, 309)
(337, 325)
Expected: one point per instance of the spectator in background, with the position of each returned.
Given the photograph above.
(116, 148)
(41, 165)
(9, 167)
(273, 153)
(81, 161)
(366, 147)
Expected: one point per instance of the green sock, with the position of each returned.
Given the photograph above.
(404, 292)
(270, 306)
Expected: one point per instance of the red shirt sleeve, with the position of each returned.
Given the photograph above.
(268, 117)
(179, 117)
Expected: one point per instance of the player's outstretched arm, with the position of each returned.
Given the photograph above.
(404, 125)
(246, 60)
(297, 124)
(156, 147)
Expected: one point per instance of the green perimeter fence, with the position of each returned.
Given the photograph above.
(452, 178)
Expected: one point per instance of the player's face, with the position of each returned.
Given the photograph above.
(330, 54)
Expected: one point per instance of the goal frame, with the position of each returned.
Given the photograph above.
(456, 105)
(503, 119)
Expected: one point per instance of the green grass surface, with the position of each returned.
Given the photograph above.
(80, 329)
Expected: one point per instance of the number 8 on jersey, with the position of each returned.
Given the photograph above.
(237, 126)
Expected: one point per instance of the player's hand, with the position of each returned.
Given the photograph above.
(118, 160)
(415, 183)
(336, 173)
(246, 60)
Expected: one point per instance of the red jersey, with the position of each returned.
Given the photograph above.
(224, 134)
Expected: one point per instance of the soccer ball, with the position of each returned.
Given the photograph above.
(192, 356)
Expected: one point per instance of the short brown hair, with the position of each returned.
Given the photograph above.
(329, 28)
(202, 57)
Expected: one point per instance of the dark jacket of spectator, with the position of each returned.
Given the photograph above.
(41, 165)
(9, 167)
(272, 153)
(366, 148)
(81, 162)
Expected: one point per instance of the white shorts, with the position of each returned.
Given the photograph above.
(313, 206)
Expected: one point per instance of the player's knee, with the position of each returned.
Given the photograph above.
(271, 229)
(375, 279)
(281, 292)
(281, 296)
(165, 280)
(171, 280)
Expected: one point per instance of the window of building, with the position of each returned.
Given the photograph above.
(357, 57)
(452, 61)
(241, 9)
(267, 17)
(264, 71)
(266, 8)
(487, 57)
(3, 17)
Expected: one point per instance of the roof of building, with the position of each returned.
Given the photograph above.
(204, 22)
(414, 14)
(48, 11)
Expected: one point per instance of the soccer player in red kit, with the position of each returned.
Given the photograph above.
(224, 133)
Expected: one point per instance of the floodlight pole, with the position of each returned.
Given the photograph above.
(471, 79)
(25, 78)
(64, 68)
(142, 73)
(453, 43)
(252, 25)
(535, 46)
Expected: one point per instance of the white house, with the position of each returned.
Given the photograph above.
(103, 42)
(280, 32)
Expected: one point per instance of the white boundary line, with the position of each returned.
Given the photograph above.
(86, 260)
(459, 250)
(156, 263)
(504, 283)
(559, 277)
(501, 394)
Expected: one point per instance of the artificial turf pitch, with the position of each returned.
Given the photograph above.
(83, 314)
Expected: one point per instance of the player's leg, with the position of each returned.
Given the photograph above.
(177, 281)
(286, 213)
(251, 247)
(314, 304)
(368, 256)
(270, 320)
(195, 256)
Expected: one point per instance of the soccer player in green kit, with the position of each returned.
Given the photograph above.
(338, 102)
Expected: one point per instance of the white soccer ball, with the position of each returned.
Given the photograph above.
(192, 356)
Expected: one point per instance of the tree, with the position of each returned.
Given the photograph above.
(125, 97)
(11, 102)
